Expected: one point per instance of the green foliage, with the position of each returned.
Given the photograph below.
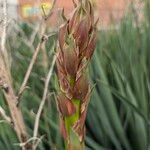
(49, 124)
(118, 115)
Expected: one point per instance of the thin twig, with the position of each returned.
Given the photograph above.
(5, 117)
(28, 141)
(35, 54)
(35, 32)
(51, 10)
(38, 141)
(5, 77)
(37, 119)
(29, 70)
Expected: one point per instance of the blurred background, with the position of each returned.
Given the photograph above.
(119, 112)
(106, 10)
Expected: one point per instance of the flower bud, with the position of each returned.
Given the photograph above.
(77, 41)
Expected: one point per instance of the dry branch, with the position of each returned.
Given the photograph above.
(37, 119)
(30, 67)
(35, 54)
(5, 83)
(16, 115)
(5, 117)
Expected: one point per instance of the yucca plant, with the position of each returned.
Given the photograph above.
(121, 96)
(77, 40)
(117, 117)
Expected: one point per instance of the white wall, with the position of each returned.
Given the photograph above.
(10, 1)
(11, 9)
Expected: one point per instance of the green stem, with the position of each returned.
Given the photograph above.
(73, 139)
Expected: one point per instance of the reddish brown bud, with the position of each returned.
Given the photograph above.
(81, 88)
(81, 35)
(74, 20)
(91, 45)
(65, 106)
(62, 36)
(70, 61)
(77, 41)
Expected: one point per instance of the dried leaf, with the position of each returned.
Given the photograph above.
(91, 45)
(62, 36)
